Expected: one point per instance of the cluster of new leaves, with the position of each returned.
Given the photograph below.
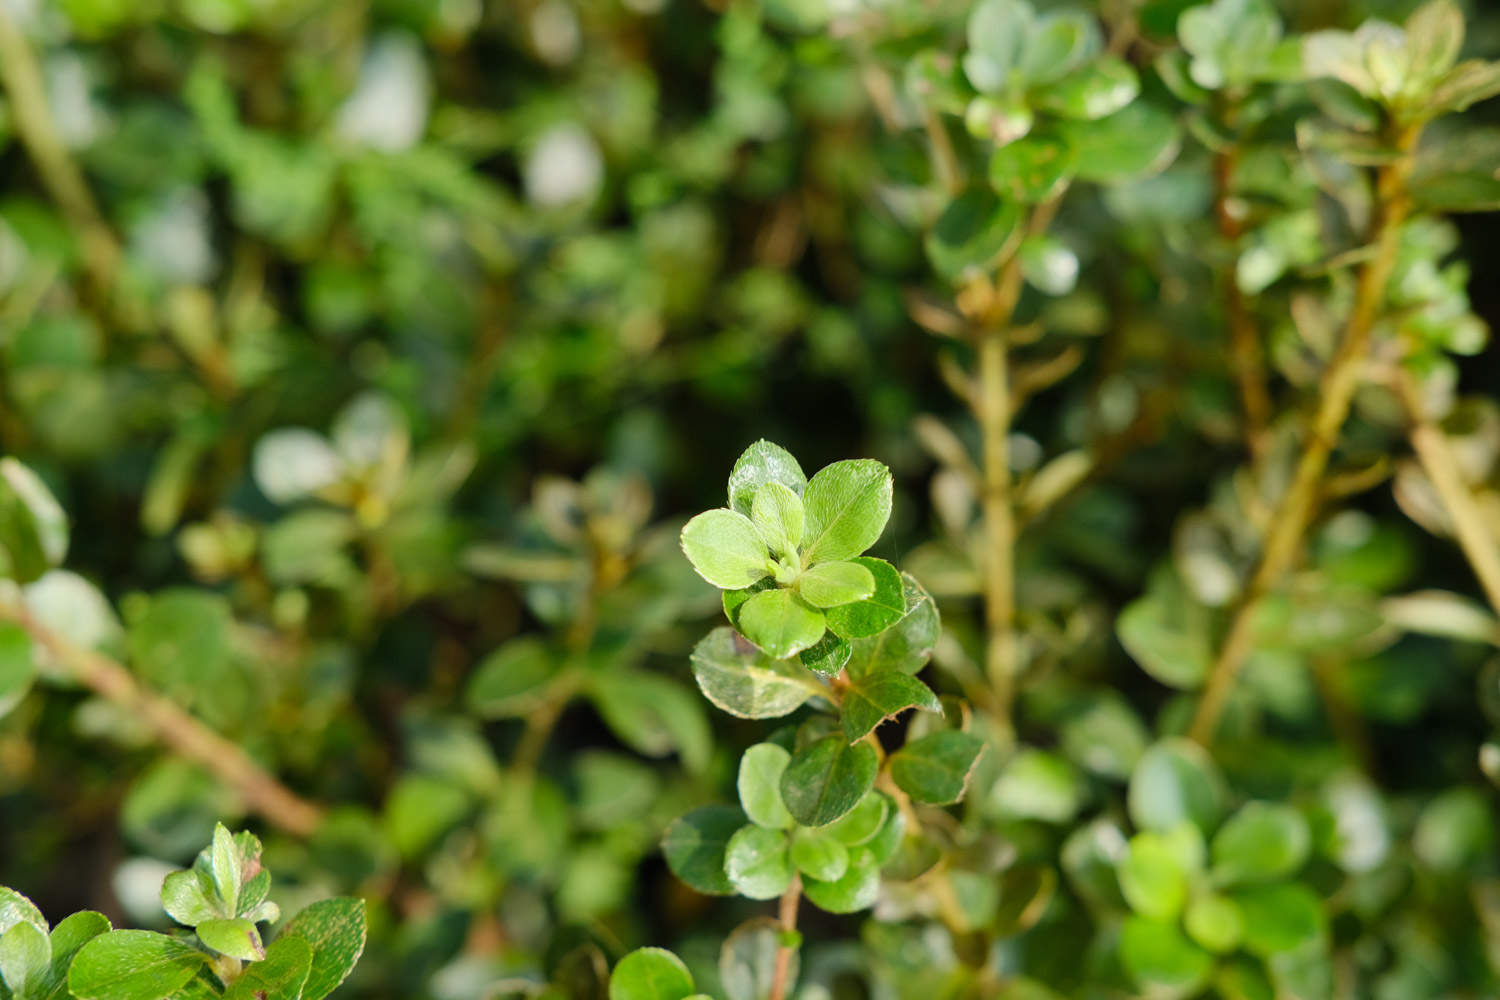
(222, 898)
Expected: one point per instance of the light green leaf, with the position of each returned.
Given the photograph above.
(827, 779)
(1049, 265)
(863, 823)
(650, 974)
(777, 514)
(828, 585)
(1434, 36)
(653, 715)
(1161, 633)
(1244, 978)
(25, 952)
(1154, 876)
(758, 863)
(1032, 169)
(1036, 784)
(335, 930)
(189, 897)
(1138, 140)
(872, 698)
(759, 785)
(694, 847)
(33, 526)
(997, 33)
(855, 890)
(871, 615)
(236, 938)
(1093, 92)
(905, 646)
(761, 463)
(132, 965)
(1264, 840)
(780, 622)
(725, 549)
(819, 855)
(847, 504)
(16, 908)
(1280, 918)
(1213, 921)
(512, 681)
(224, 860)
(1160, 958)
(1470, 82)
(744, 681)
(70, 935)
(282, 975)
(1175, 782)
(935, 768)
(973, 235)
(1057, 45)
(17, 665)
(1106, 737)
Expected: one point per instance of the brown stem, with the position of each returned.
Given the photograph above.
(1335, 394)
(787, 915)
(1475, 536)
(1244, 339)
(58, 173)
(175, 728)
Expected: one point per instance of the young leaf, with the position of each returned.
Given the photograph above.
(734, 600)
(225, 866)
(759, 785)
(1264, 840)
(335, 930)
(873, 698)
(847, 505)
(1174, 782)
(15, 908)
(761, 463)
(650, 974)
(818, 855)
(1213, 921)
(997, 33)
(132, 965)
(33, 526)
(757, 862)
(1280, 918)
(855, 890)
(780, 622)
(725, 549)
(694, 847)
(1154, 876)
(25, 952)
(1158, 957)
(827, 779)
(744, 681)
(280, 976)
(828, 585)
(879, 610)
(777, 514)
(188, 897)
(236, 938)
(935, 768)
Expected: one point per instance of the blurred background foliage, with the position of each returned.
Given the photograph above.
(377, 350)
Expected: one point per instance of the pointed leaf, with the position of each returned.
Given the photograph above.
(132, 965)
(847, 505)
(17, 665)
(68, 937)
(777, 514)
(335, 930)
(725, 549)
(761, 463)
(936, 768)
(827, 779)
(871, 699)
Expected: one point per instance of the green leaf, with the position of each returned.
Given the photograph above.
(1033, 169)
(68, 937)
(997, 33)
(747, 961)
(1161, 633)
(780, 622)
(1138, 140)
(33, 526)
(1175, 782)
(828, 585)
(1244, 979)
(653, 715)
(1154, 876)
(1434, 36)
(758, 863)
(863, 823)
(1213, 921)
(1263, 841)
(25, 952)
(512, 681)
(1036, 784)
(777, 514)
(872, 698)
(17, 666)
(818, 855)
(744, 681)
(1455, 831)
(132, 965)
(16, 908)
(1280, 918)
(855, 890)
(695, 844)
(936, 768)
(224, 865)
(1160, 958)
(827, 656)
(1048, 264)
(847, 504)
(282, 975)
(335, 930)
(878, 610)
(827, 779)
(759, 785)
(1057, 45)
(725, 549)
(1107, 737)
(1470, 82)
(973, 235)
(734, 600)
(905, 646)
(236, 938)
(189, 897)
(421, 808)
(761, 463)
(1093, 92)
(650, 974)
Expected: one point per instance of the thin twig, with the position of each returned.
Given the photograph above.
(177, 729)
(787, 915)
(1475, 536)
(1335, 394)
(1244, 339)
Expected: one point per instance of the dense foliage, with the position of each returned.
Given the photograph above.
(369, 378)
